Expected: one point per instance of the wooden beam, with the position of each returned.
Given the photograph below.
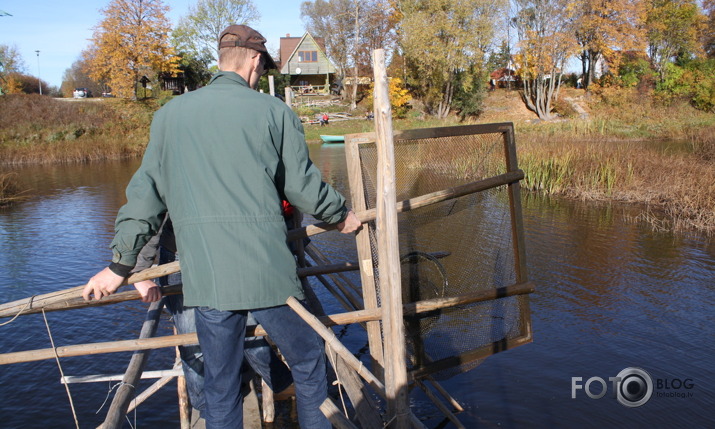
(417, 202)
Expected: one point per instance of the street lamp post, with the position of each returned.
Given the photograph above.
(39, 80)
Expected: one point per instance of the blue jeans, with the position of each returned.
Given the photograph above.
(257, 351)
(192, 359)
(221, 335)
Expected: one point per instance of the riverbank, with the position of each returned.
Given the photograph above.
(607, 146)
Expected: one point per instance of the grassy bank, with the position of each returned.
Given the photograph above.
(36, 129)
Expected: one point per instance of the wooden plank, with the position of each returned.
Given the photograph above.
(71, 379)
(362, 241)
(388, 249)
(468, 357)
(517, 228)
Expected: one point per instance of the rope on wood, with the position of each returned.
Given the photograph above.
(29, 304)
(106, 398)
(334, 362)
(57, 358)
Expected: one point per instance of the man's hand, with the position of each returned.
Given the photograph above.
(350, 224)
(104, 283)
(149, 291)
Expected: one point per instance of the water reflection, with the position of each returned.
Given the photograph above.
(611, 294)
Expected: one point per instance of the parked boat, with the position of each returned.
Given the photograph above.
(333, 139)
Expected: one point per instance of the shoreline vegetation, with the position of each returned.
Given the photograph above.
(605, 147)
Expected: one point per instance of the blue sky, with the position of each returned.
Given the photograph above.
(60, 29)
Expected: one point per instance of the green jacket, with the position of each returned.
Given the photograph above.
(220, 159)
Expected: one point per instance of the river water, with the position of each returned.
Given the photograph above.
(611, 294)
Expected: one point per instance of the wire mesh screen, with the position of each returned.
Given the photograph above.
(452, 248)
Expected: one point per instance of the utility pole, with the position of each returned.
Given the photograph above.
(39, 80)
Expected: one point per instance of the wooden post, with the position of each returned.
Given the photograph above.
(183, 394)
(271, 86)
(269, 406)
(389, 253)
(125, 392)
(289, 96)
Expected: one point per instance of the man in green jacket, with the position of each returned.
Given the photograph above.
(220, 160)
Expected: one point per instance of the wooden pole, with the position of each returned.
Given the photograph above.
(335, 416)
(71, 298)
(389, 253)
(446, 411)
(335, 344)
(127, 390)
(418, 202)
(330, 320)
(182, 393)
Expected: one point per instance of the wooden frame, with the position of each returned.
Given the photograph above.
(353, 143)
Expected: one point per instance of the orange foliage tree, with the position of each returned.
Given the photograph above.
(131, 41)
(604, 27)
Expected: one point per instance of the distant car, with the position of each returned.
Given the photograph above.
(107, 95)
(82, 93)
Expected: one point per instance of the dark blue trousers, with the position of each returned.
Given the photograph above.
(221, 335)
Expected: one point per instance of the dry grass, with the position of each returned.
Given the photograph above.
(10, 193)
(679, 184)
(36, 129)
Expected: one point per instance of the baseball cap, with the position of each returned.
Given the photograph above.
(247, 38)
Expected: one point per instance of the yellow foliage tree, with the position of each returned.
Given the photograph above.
(604, 27)
(399, 97)
(131, 41)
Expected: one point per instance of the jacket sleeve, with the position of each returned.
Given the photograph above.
(140, 218)
(303, 184)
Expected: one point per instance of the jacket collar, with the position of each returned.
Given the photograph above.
(228, 77)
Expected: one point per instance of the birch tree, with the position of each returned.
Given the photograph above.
(441, 39)
(709, 33)
(674, 28)
(198, 31)
(545, 41)
(131, 41)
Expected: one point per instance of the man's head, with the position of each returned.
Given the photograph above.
(243, 50)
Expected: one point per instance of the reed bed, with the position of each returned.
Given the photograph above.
(10, 192)
(679, 184)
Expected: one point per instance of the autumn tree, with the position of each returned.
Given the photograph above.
(442, 39)
(197, 33)
(545, 35)
(76, 77)
(352, 29)
(673, 29)
(604, 27)
(10, 60)
(709, 33)
(131, 41)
